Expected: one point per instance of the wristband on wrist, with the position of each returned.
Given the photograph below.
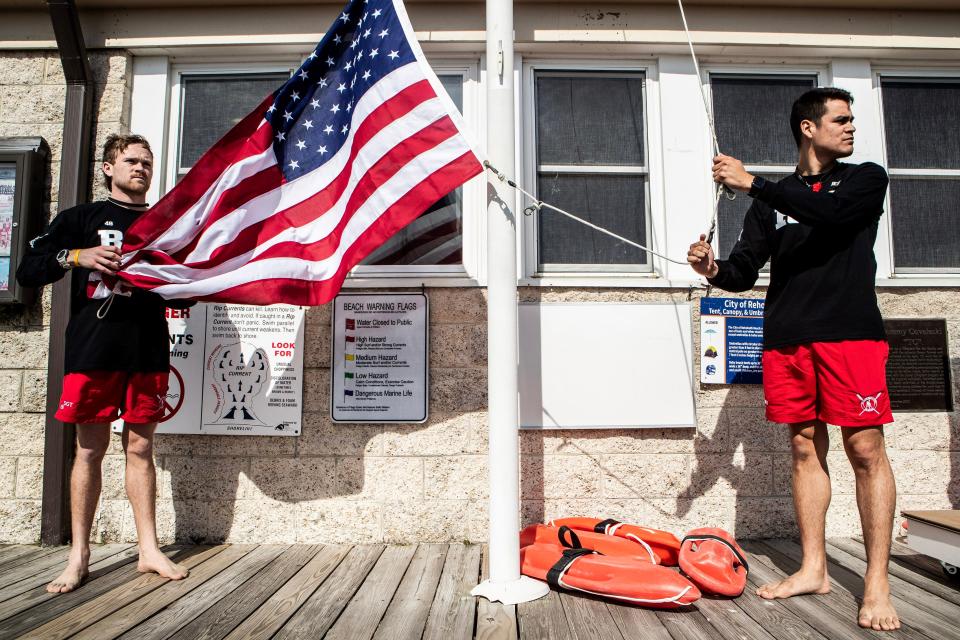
(758, 184)
(75, 259)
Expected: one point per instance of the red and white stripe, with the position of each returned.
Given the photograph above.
(234, 231)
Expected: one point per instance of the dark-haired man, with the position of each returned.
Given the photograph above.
(825, 350)
(115, 366)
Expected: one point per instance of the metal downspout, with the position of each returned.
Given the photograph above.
(74, 181)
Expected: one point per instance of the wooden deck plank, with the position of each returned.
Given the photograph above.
(321, 609)
(37, 607)
(833, 614)
(687, 624)
(730, 621)
(495, 620)
(453, 611)
(589, 617)
(903, 570)
(637, 623)
(224, 616)
(37, 565)
(86, 614)
(771, 614)
(915, 561)
(931, 620)
(930, 595)
(98, 554)
(33, 554)
(363, 613)
(147, 605)
(407, 613)
(278, 608)
(183, 611)
(9, 553)
(543, 619)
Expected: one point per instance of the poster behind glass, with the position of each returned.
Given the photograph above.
(8, 182)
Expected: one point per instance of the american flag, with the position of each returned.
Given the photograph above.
(354, 146)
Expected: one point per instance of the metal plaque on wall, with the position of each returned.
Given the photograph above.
(918, 371)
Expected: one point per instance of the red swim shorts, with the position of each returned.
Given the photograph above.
(96, 397)
(841, 383)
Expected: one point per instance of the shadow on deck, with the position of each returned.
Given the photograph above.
(422, 591)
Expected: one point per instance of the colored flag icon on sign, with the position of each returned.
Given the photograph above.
(351, 324)
(347, 392)
(348, 375)
(349, 356)
(351, 339)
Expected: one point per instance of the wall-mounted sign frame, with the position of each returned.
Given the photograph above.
(380, 347)
(23, 167)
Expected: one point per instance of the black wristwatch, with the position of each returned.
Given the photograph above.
(758, 184)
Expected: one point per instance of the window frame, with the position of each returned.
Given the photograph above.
(947, 275)
(530, 275)
(474, 206)
(821, 74)
(468, 274)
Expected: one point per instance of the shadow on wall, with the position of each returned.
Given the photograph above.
(334, 482)
(244, 487)
(733, 471)
(730, 472)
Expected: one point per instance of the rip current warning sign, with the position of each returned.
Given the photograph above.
(234, 370)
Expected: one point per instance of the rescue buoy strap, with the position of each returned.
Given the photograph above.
(601, 527)
(730, 546)
(557, 570)
(574, 538)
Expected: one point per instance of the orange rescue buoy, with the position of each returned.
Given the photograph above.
(713, 561)
(607, 545)
(618, 578)
(662, 543)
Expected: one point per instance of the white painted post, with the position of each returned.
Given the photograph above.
(505, 583)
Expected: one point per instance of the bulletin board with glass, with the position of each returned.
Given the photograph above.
(23, 167)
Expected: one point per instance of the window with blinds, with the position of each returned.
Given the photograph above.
(211, 104)
(591, 160)
(922, 137)
(751, 113)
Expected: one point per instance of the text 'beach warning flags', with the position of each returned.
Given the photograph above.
(359, 141)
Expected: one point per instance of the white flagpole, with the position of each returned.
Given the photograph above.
(505, 583)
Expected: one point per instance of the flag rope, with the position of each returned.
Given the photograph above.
(722, 189)
(539, 204)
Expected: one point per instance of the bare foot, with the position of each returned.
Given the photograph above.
(70, 579)
(876, 611)
(156, 562)
(798, 584)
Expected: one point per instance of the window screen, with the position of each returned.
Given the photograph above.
(922, 127)
(591, 161)
(213, 104)
(436, 237)
(752, 117)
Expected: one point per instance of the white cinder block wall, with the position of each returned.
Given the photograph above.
(411, 483)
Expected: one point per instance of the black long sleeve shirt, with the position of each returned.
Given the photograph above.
(820, 247)
(133, 336)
